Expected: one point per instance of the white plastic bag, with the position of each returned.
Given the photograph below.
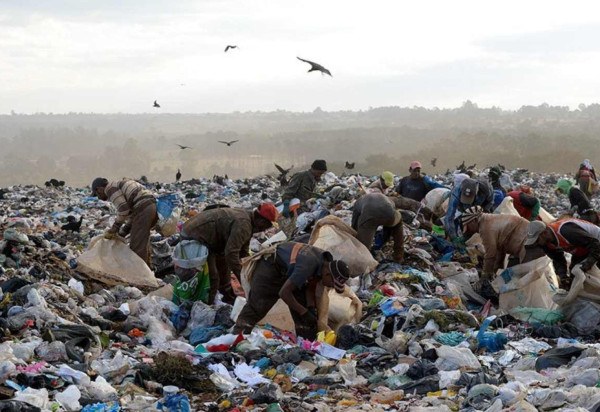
(190, 254)
(113, 263)
(452, 358)
(533, 285)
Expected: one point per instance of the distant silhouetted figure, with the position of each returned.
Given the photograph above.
(73, 225)
(230, 47)
(433, 161)
(228, 143)
(156, 104)
(315, 67)
(178, 175)
(349, 165)
(183, 147)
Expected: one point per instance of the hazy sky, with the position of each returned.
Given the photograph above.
(119, 55)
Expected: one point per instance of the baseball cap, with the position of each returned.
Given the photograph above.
(415, 164)
(468, 191)
(534, 230)
(388, 178)
(340, 273)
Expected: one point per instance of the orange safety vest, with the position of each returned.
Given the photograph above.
(564, 243)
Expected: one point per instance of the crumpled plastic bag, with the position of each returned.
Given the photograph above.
(112, 262)
(451, 358)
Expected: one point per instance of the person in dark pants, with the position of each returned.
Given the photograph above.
(374, 210)
(226, 232)
(580, 203)
(292, 273)
(579, 238)
(136, 211)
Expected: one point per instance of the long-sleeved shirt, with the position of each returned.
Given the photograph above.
(581, 242)
(224, 231)
(484, 198)
(579, 199)
(300, 262)
(301, 186)
(374, 208)
(127, 196)
(377, 187)
(416, 189)
(501, 235)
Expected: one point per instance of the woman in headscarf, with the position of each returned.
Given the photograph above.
(586, 177)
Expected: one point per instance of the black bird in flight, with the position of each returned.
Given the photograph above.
(349, 165)
(156, 104)
(315, 66)
(433, 161)
(182, 147)
(282, 178)
(228, 143)
(178, 175)
(230, 47)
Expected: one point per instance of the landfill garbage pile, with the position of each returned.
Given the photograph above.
(425, 339)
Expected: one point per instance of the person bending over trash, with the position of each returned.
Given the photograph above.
(415, 186)
(580, 203)
(292, 273)
(374, 210)
(302, 185)
(226, 232)
(136, 212)
(579, 238)
(469, 192)
(383, 184)
(501, 235)
(526, 204)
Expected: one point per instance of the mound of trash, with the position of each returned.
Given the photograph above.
(83, 334)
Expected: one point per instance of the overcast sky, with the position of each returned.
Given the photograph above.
(119, 55)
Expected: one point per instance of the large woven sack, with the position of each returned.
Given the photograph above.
(339, 239)
(112, 262)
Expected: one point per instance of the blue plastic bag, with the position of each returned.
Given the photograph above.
(203, 335)
(166, 204)
(102, 407)
(175, 403)
(492, 341)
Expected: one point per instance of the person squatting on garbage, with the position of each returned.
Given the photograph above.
(527, 205)
(383, 184)
(292, 273)
(302, 185)
(373, 210)
(501, 235)
(580, 203)
(579, 238)
(136, 212)
(469, 192)
(226, 232)
(415, 186)
(586, 177)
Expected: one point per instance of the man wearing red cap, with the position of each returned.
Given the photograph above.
(415, 186)
(226, 232)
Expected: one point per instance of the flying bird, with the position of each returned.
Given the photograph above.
(230, 47)
(315, 67)
(178, 175)
(349, 165)
(183, 147)
(228, 143)
(433, 161)
(156, 104)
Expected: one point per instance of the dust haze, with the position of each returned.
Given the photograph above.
(77, 147)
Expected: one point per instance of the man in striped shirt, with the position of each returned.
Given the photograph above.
(135, 206)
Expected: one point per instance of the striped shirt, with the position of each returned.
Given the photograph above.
(127, 195)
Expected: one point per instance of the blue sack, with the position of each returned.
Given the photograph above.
(166, 204)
